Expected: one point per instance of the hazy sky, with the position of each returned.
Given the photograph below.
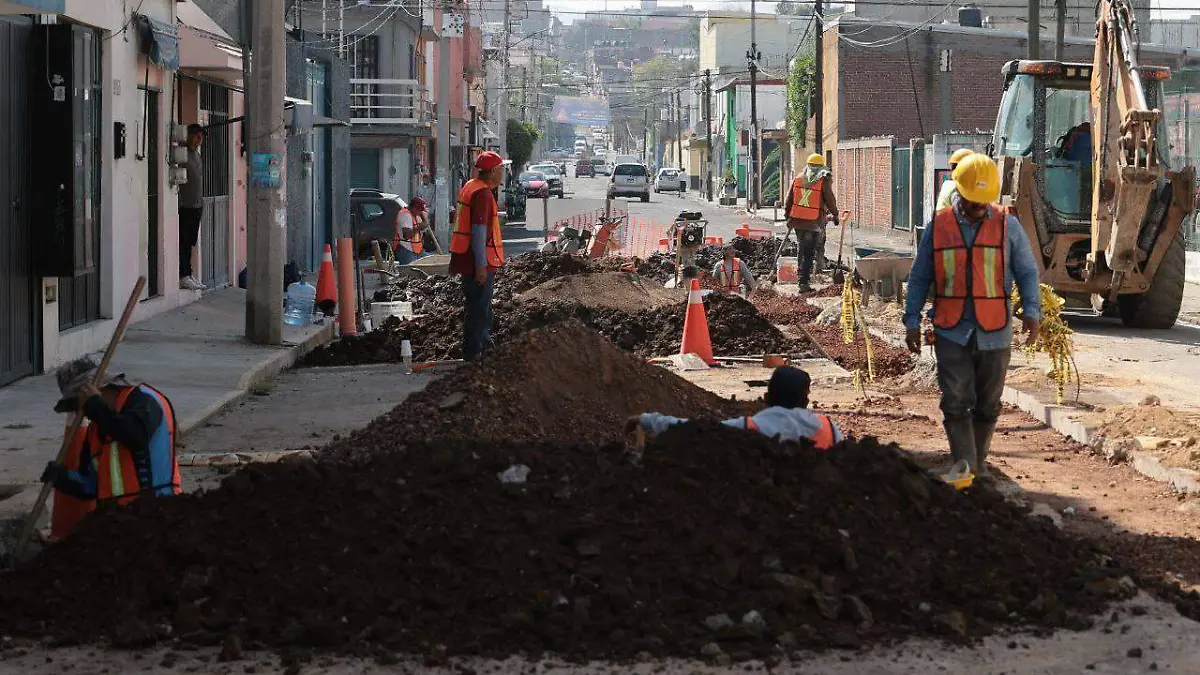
(569, 6)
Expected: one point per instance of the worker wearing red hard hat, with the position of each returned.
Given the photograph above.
(411, 225)
(477, 251)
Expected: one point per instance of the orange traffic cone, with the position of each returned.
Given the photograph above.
(695, 327)
(326, 287)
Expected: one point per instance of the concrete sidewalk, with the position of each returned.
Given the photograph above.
(196, 355)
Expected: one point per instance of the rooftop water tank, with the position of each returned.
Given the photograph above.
(970, 15)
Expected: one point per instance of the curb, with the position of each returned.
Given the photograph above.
(1060, 419)
(280, 361)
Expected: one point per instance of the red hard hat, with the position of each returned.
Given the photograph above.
(417, 205)
(488, 160)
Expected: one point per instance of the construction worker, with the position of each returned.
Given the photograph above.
(809, 203)
(411, 225)
(948, 191)
(786, 416)
(980, 252)
(732, 272)
(477, 251)
(126, 449)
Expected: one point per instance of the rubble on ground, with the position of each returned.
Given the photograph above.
(711, 536)
(612, 290)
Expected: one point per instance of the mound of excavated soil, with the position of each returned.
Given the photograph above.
(735, 328)
(784, 310)
(428, 295)
(612, 290)
(716, 536)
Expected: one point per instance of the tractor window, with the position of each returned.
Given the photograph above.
(1066, 109)
(1014, 126)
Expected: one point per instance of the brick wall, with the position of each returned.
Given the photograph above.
(863, 180)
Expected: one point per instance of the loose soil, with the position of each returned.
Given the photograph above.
(712, 535)
(1149, 420)
(612, 290)
(735, 329)
(887, 361)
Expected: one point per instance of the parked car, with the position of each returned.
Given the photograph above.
(584, 168)
(630, 180)
(535, 184)
(600, 166)
(376, 212)
(554, 177)
(670, 180)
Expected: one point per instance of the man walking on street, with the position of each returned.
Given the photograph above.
(477, 251)
(972, 253)
(808, 204)
(191, 207)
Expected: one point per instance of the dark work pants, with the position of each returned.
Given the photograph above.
(477, 320)
(189, 234)
(808, 240)
(972, 382)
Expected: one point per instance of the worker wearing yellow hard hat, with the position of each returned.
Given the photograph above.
(948, 190)
(970, 255)
(809, 204)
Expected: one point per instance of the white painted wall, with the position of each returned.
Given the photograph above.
(724, 41)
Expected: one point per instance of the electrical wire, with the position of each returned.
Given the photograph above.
(121, 31)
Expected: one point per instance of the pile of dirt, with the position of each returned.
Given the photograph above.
(735, 327)
(428, 295)
(533, 269)
(1149, 420)
(612, 290)
(887, 361)
(713, 541)
(784, 310)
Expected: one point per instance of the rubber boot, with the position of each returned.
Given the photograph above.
(983, 443)
(962, 441)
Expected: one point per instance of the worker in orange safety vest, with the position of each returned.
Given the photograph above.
(732, 273)
(809, 204)
(786, 416)
(124, 451)
(971, 254)
(477, 251)
(411, 225)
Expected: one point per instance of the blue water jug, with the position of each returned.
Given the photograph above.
(298, 306)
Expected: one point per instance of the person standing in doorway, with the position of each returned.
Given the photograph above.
(808, 204)
(477, 251)
(191, 208)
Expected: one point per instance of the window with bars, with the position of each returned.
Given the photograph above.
(215, 101)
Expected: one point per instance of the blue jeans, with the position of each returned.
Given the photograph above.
(477, 320)
(406, 257)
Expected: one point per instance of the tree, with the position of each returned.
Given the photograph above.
(799, 97)
(521, 136)
(651, 83)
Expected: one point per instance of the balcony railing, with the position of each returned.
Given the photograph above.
(382, 101)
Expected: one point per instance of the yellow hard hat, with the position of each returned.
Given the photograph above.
(959, 155)
(816, 160)
(977, 179)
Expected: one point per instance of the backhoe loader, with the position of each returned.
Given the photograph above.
(1087, 169)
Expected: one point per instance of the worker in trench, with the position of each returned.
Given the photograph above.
(949, 191)
(809, 204)
(786, 416)
(124, 450)
(732, 273)
(411, 225)
(971, 254)
(477, 251)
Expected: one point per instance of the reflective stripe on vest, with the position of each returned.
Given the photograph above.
(416, 244)
(117, 475)
(460, 241)
(806, 199)
(974, 273)
(732, 281)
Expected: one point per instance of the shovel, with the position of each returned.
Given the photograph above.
(839, 277)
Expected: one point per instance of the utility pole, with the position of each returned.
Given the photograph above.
(266, 202)
(752, 58)
(646, 138)
(819, 84)
(502, 113)
(442, 184)
(1034, 40)
(1060, 29)
(679, 130)
(708, 132)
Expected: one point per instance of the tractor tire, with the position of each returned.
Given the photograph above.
(1158, 307)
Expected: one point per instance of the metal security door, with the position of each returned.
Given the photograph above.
(900, 189)
(214, 227)
(20, 327)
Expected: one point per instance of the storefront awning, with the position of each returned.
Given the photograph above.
(160, 41)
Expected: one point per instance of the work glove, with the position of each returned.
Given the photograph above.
(635, 434)
(912, 339)
(54, 473)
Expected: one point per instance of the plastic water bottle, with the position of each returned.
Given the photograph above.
(298, 307)
(406, 354)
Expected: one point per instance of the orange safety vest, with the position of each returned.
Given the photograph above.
(975, 272)
(732, 281)
(460, 241)
(66, 511)
(822, 441)
(806, 199)
(416, 244)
